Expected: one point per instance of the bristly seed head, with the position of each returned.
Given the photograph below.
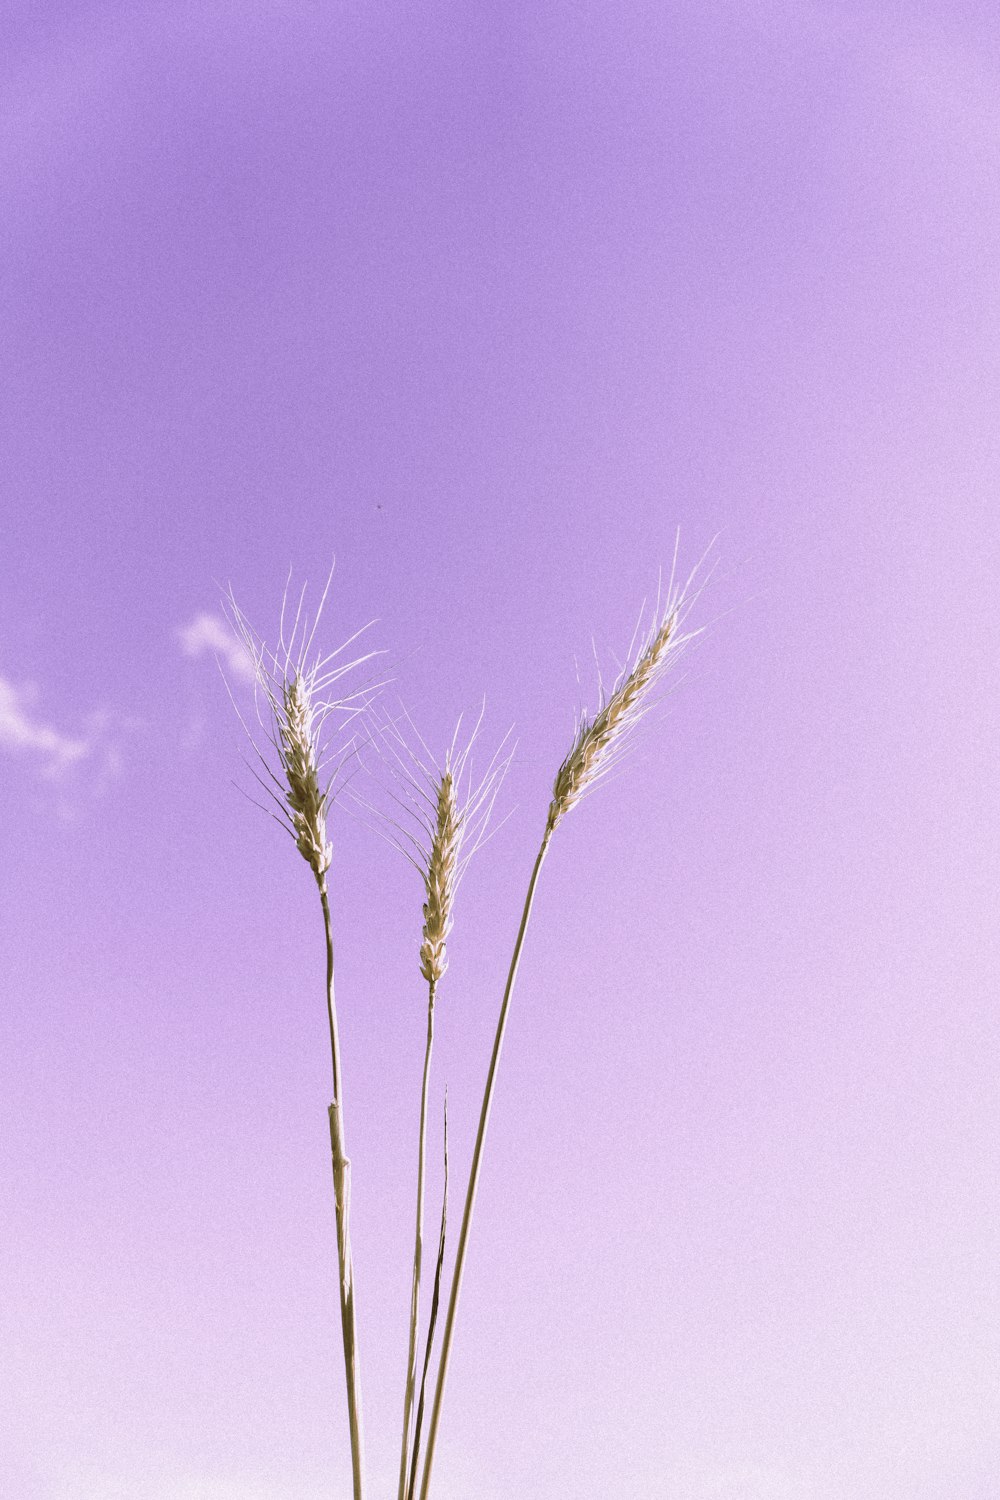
(599, 742)
(449, 811)
(440, 880)
(295, 687)
(299, 757)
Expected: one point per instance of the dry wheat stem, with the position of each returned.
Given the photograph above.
(470, 1197)
(439, 882)
(411, 1357)
(449, 807)
(435, 1303)
(596, 745)
(293, 687)
(342, 1204)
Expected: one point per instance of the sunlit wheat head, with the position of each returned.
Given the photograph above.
(601, 739)
(299, 691)
(441, 812)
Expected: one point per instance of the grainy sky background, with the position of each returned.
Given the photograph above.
(489, 301)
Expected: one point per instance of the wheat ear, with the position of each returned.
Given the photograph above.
(596, 745)
(442, 871)
(294, 687)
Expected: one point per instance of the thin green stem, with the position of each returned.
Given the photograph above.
(342, 1197)
(418, 1248)
(470, 1197)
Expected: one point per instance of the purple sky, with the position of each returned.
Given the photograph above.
(488, 302)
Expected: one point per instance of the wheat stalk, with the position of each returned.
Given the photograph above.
(440, 878)
(432, 1321)
(597, 745)
(450, 810)
(295, 686)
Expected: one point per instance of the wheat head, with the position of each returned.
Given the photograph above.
(599, 741)
(295, 687)
(440, 880)
(446, 812)
(300, 759)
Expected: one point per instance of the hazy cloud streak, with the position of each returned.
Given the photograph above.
(210, 633)
(22, 731)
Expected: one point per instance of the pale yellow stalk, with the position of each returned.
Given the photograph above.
(595, 745)
(292, 689)
(449, 811)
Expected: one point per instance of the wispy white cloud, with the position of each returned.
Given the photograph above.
(78, 767)
(211, 633)
(23, 732)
